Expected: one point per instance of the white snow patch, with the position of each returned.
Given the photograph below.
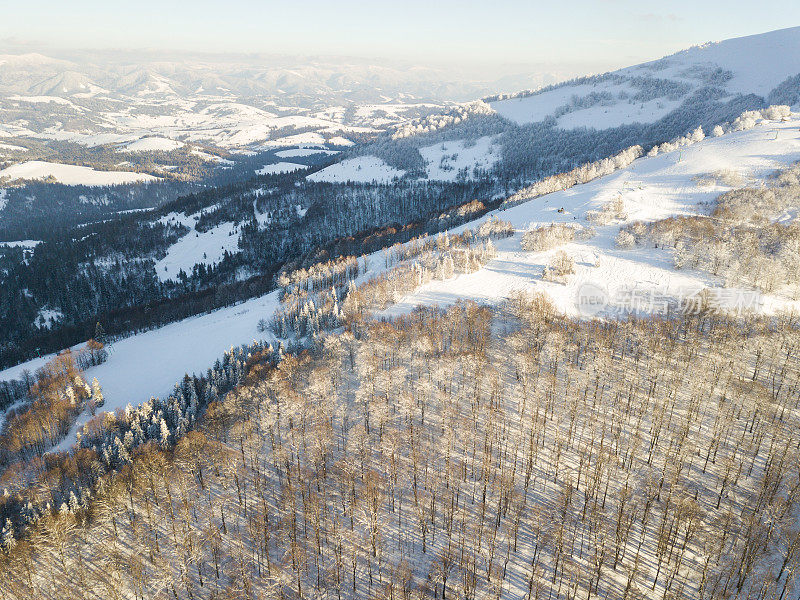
(13, 148)
(280, 167)
(48, 316)
(71, 174)
(299, 152)
(21, 244)
(41, 100)
(308, 138)
(153, 144)
(211, 157)
(447, 160)
(340, 141)
(364, 169)
(198, 248)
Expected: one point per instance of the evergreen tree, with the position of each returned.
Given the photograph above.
(7, 540)
(100, 333)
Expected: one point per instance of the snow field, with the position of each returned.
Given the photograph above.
(152, 144)
(280, 167)
(445, 161)
(360, 169)
(71, 174)
(196, 247)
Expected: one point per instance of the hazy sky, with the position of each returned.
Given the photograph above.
(599, 32)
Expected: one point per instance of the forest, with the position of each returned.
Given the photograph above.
(468, 452)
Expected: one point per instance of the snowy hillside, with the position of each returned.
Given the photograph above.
(150, 363)
(152, 144)
(530, 135)
(197, 248)
(652, 188)
(70, 174)
(672, 183)
(280, 167)
(756, 64)
(365, 169)
(449, 161)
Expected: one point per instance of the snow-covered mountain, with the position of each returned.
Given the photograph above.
(766, 66)
(181, 96)
(533, 134)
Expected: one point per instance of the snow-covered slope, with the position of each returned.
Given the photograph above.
(207, 247)
(360, 169)
(651, 188)
(644, 93)
(151, 363)
(302, 152)
(280, 167)
(12, 148)
(71, 174)
(450, 160)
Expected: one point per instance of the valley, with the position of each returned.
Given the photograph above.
(324, 328)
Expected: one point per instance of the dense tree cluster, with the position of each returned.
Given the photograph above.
(29, 385)
(559, 267)
(44, 485)
(56, 395)
(309, 308)
(548, 237)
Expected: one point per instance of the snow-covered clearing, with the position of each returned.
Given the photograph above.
(21, 244)
(280, 167)
(149, 364)
(309, 138)
(71, 174)
(198, 247)
(3, 199)
(211, 157)
(340, 141)
(42, 100)
(153, 144)
(360, 169)
(447, 160)
(48, 316)
(13, 147)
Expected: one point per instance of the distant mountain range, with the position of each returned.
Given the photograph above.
(295, 81)
(228, 101)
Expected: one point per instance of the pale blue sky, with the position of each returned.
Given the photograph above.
(606, 32)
